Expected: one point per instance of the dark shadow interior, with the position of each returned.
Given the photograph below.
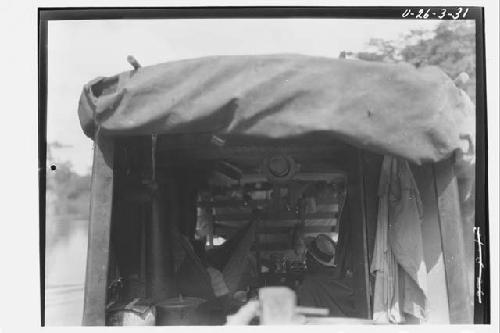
(173, 187)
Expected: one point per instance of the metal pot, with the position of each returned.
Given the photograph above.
(177, 311)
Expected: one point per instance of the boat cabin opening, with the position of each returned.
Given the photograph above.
(248, 208)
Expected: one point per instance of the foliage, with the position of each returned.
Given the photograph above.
(451, 46)
(68, 193)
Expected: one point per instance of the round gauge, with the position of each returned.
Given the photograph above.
(279, 168)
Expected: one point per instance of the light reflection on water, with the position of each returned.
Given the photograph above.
(65, 260)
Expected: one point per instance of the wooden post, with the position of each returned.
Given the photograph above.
(358, 235)
(364, 234)
(437, 293)
(460, 302)
(101, 201)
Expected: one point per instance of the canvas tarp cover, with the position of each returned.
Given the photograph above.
(417, 114)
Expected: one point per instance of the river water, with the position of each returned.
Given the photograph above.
(65, 260)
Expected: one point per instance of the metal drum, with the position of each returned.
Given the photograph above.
(177, 311)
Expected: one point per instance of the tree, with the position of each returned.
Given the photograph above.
(68, 193)
(451, 46)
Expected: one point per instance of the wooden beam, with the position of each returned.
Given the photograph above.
(236, 203)
(276, 246)
(228, 203)
(289, 216)
(280, 223)
(357, 236)
(365, 248)
(285, 230)
(101, 201)
(243, 153)
(452, 239)
(205, 141)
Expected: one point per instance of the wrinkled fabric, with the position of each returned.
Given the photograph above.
(192, 277)
(405, 236)
(386, 305)
(217, 281)
(239, 262)
(399, 243)
(385, 108)
(197, 280)
(322, 290)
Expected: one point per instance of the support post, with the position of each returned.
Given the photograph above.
(460, 302)
(101, 202)
(366, 255)
(358, 236)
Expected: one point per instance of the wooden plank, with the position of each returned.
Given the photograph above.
(372, 166)
(452, 238)
(228, 203)
(277, 246)
(169, 142)
(245, 149)
(236, 203)
(284, 230)
(274, 238)
(282, 217)
(333, 176)
(243, 153)
(366, 255)
(99, 232)
(279, 223)
(357, 238)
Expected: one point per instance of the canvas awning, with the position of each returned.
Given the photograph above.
(417, 114)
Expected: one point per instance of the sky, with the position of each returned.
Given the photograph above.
(79, 51)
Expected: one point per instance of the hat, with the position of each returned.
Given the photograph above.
(322, 249)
